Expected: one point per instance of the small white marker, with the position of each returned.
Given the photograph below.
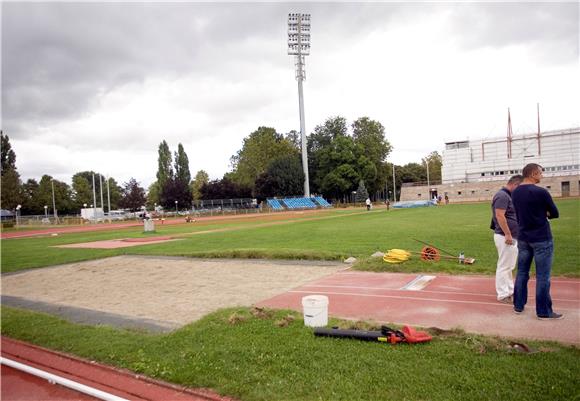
(418, 283)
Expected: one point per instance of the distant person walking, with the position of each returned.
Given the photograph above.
(534, 206)
(368, 202)
(505, 226)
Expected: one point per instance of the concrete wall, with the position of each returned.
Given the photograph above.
(484, 191)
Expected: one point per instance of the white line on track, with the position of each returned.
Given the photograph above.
(423, 291)
(411, 298)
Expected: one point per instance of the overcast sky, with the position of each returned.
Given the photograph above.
(97, 86)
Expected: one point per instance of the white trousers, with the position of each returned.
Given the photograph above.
(506, 262)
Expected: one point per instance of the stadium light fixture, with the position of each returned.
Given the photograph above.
(299, 47)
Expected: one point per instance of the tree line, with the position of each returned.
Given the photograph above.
(342, 159)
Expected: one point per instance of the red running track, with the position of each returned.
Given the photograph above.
(17, 385)
(467, 302)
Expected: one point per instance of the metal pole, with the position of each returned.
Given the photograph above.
(53, 202)
(428, 184)
(108, 196)
(94, 200)
(101, 188)
(303, 132)
(394, 185)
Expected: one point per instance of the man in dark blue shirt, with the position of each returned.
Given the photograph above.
(534, 206)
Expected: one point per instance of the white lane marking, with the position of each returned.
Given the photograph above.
(413, 298)
(426, 291)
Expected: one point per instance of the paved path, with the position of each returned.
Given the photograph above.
(446, 302)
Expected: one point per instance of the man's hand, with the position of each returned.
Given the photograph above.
(509, 240)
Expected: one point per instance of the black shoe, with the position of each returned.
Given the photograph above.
(518, 311)
(552, 316)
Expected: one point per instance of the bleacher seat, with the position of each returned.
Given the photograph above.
(321, 201)
(298, 203)
(275, 204)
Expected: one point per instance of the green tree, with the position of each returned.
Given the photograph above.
(11, 194)
(133, 195)
(182, 172)
(201, 177)
(412, 172)
(153, 195)
(30, 203)
(259, 149)
(82, 190)
(284, 177)
(375, 148)
(361, 192)
(164, 170)
(62, 196)
(294, 138)
(435, 163)
(7, 155)
(322, 160)
(178, 189)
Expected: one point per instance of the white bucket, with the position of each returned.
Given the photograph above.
(315, 310)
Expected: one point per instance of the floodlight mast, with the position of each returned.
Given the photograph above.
(299, 46)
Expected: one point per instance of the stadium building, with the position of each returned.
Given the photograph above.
(475, 170)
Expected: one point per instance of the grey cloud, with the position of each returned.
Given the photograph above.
(551, 27)
(57, 57)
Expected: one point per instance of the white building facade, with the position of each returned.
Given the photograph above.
(475, 170)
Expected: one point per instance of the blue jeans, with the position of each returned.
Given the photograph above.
(542, 253)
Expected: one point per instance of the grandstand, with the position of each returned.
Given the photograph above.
(297, 203)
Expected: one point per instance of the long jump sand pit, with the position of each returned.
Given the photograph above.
(157, 293)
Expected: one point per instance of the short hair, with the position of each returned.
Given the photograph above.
(516, 179)
(530, 169)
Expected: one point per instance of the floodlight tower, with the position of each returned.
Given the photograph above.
(299, 47)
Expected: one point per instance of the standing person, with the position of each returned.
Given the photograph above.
(368, 202)
(446, 199)
(534, 206)
(505, 226)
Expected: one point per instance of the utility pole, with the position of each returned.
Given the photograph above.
(108, 198)
(428, 184)
(54, 203)
(101, 188)
(94, 200)
(394, 186)
(299, 46)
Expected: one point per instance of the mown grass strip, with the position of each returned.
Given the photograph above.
(271, 356)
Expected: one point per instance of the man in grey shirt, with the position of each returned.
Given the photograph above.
(505, 226)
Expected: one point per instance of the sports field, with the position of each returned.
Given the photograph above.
(332, 235)
(271, 355)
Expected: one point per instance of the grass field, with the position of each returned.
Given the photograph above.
(260, 358)
(253, 358)
(335, 235)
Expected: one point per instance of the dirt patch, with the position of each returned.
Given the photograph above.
(117, 243)
(174, 291)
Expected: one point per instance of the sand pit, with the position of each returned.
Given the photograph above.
(164, 291)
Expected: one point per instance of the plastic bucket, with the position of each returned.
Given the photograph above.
(315, 310)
